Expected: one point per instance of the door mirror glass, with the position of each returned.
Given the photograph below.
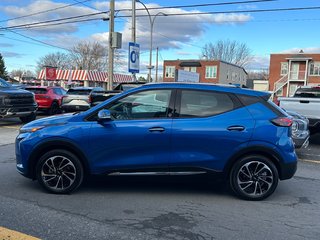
(104, 115)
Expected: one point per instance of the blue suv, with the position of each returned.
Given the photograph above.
(165, 128)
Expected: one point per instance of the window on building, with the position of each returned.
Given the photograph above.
(190, 69)
(314, 69)
(211, 71)
(284, 68)
(193, 69)
(170, 70)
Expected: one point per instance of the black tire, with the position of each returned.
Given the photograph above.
(54, 109)
(59, 171)
(254, 177)
(28, 118)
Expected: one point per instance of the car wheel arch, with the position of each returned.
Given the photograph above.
(254, 150)
(56, 144)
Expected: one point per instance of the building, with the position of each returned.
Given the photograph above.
(86, 78)
(289, 71)
(210, 71)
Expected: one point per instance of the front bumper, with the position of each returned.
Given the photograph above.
(17, 112)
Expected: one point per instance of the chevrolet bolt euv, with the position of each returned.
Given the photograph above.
(165, 128)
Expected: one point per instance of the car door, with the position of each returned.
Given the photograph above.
(208, 129)
(137, 137)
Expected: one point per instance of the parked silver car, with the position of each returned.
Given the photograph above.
(79, 98)
(300, 130)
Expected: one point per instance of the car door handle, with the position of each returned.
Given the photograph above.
(304, 101)
(236, 128)
(156, 129)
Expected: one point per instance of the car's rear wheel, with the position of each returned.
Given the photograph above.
(59, 171)
(254, 177)
(54, 109)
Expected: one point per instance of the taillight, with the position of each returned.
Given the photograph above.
(90, 98)
(282, 121)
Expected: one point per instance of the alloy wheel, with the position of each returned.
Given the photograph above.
(255, 178)
(58, 173)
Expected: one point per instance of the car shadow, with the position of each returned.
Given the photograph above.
(156, 184)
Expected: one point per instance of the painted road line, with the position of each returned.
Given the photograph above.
(311, 161)
(7, 234)
(13, 127)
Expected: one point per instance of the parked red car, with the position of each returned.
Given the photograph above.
(48, 98)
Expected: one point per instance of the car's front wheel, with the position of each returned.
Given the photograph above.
(254, 177)
(59, 171)
(28, 118)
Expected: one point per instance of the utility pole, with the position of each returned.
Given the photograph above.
(156, 80)
(133, 29)
(110, 48)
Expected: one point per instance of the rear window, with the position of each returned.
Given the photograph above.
(308, 93)
(37, 90)
(78, 91)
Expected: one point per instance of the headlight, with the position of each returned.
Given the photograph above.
(294, 127)
(30, 129)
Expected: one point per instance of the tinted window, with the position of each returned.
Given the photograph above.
(58, 91)
(204, 104)
(37, 90)
(308, 92)
(78, 91)
(4, 84)
(141, 105)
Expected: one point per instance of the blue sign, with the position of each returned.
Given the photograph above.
(134, 57)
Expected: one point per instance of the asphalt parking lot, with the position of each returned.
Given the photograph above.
(157, 208)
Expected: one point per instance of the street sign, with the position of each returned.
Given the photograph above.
(51, 73)
(185, 76)
(134, 57)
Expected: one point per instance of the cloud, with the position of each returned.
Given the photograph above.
(258, 63)
(43, 5)
(6, 45)
(12, 55)
(305, 50)
(168, 31)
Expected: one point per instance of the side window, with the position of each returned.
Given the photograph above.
(204, 103)
(142, 105)
(57, 91)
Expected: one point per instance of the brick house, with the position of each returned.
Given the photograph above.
(289, 71)
(210, 71)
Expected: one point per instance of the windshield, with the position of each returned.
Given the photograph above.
(37, 90)
(308, 93)
(4, 84)
(78, 91)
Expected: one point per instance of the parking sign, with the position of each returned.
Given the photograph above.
(134, 57)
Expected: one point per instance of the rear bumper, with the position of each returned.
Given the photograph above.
(288, 170)
(72, 108)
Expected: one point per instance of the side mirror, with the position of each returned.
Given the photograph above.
(104, 115)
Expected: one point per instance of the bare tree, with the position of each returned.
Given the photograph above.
(89, 56)
(21, 73)
(59, 60)
(262, 74)
(229, 51)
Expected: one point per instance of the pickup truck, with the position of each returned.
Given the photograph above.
(305, 101)
(16, 102)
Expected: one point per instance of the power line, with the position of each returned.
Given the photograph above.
(45, 11)
(50, 21)
(86, 5)
(201, 5)
(235, 11)
(55, 24)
